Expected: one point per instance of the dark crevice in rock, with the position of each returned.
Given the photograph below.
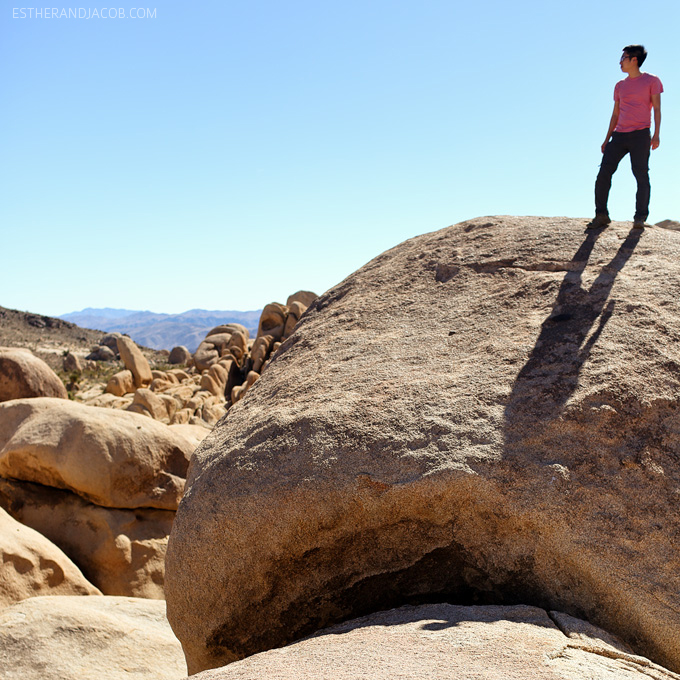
(448, 574)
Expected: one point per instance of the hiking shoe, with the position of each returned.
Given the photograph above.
(600, 220)
(638, 224)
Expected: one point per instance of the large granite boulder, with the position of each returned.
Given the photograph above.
(22, 375)
(31, 565)
(443, 641)
(88, 638)
(122, 552)
(485, 414)
(110, 457)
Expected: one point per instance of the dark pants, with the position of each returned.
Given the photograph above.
(637, 144)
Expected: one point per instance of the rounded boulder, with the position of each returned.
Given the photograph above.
(30, 565)
(487, 414)
(109, 457)
(22, 375)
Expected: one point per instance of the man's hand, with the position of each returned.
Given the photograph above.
(655, 142)
(612, 125)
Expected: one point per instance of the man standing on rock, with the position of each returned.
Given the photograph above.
(629, 132)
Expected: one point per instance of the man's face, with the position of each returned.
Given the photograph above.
(626, 62)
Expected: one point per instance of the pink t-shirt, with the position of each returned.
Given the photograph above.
(635, 101)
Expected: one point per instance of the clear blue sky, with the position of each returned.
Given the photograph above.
(225, 154)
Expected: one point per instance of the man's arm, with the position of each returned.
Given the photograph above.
(656, 105)
(612, 125)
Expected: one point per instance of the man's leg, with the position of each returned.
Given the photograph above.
(613, 153)
(639, 163)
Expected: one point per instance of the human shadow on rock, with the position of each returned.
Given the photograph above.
(567, 337)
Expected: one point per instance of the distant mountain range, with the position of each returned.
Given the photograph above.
(162, 331)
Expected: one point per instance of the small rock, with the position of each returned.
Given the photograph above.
(260, 351)
(295, 311)
(179, 355)
(72, 363)
(101, 353)
(304, 297)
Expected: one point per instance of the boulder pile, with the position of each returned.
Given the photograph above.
(206, 384)
(120, 550)
(103, 484)
(107, 350)
(487, 414)
(88, 494)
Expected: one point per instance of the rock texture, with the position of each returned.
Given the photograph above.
(109, 457)
(484, 414)
(443, 641)
(24, 375)
(122, 552)
(30, 565)
(88, 638)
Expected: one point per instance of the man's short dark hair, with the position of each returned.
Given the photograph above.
(638, 51)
